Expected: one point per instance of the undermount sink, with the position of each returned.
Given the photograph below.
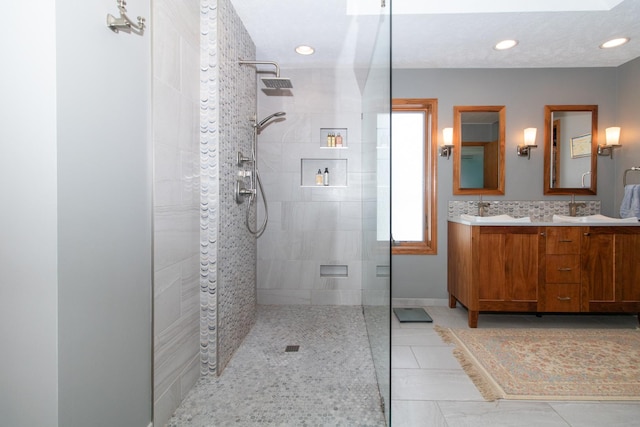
(494, 219)
(594, 219)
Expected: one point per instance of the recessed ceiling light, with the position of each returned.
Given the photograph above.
(614, 42)
(505, 44)
(305, 50)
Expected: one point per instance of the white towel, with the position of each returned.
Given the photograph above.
(630, 205)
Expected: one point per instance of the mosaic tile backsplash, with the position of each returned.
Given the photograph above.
(538, 210)
(227, 250)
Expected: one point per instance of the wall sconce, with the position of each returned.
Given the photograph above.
(529, 143)
(613, 141)
(447, 148)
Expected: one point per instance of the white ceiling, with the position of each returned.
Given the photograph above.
(445, 34)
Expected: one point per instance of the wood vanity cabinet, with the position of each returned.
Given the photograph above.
(559, 269)
(493, 268)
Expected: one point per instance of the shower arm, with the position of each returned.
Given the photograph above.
(275, 64)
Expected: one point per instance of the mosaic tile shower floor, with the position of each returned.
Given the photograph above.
(329, 381)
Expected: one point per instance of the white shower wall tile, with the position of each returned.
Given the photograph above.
(288, 274)
(316, 225)
(270, 159)
(284, 296)
(189, 124)
(332, 246)
(322, 297)
(166, 110)
(166, 49)
(190, 75)
(282, 186)
(176, 214)
(174, 351)
(176, 234)
(167, 297)
(190, 279)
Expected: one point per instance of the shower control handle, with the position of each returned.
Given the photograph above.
(242, 159)
(241, 192)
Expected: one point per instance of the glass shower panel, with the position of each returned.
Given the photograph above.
(376, 270)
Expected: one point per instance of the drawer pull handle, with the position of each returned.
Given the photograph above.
(587, 234)
(564, 298)
(564, 269)
(566, 241)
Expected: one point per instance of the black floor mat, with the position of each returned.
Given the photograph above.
(412, 315)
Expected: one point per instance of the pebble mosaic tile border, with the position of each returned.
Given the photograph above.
(209, 184)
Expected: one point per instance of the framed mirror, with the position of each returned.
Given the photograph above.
(478, 153)
(570, 149)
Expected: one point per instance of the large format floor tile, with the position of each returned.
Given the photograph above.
(438, 393)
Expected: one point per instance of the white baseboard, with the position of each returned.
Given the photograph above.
(419, 302)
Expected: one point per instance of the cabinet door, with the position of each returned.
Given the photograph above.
(597, 261)
(627, 265)
(508, 264)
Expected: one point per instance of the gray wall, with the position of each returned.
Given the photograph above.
(524, 92)
(104, 218)
(77, 340)
(629, 121)
(28, 230)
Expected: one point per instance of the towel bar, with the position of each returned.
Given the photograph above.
(624, 178)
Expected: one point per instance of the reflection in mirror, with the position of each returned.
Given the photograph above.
(570, 146)
(478, 163)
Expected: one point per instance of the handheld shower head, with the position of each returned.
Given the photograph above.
(261, 123)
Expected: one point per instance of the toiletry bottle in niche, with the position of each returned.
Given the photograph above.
(338, 140)
(333, 139)
(325, 177)
(329, 139)
(319, 178)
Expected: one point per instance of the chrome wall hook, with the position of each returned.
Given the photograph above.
(123, 22)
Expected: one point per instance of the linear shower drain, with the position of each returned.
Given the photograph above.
(292, 348)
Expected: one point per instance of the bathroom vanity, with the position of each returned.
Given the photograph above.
(543, 267)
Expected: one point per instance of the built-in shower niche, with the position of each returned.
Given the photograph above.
(337, 172)
(333, 138)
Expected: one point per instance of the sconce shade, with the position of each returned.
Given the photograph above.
(613, 135)
(530, 136)
(447, 136)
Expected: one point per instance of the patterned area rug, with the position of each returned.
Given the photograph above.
(550, 364)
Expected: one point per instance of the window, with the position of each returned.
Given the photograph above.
(413, 176)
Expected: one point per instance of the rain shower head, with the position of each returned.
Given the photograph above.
(277, 82)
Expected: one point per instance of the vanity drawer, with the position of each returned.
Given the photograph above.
(563, 240)
(561, 297)
(562, 269)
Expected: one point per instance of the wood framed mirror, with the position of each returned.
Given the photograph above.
(478, 153)
(570, 149)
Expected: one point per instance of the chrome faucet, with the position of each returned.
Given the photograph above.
(482, 206)
(573, 206)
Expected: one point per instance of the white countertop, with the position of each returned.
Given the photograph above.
(555, 221)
